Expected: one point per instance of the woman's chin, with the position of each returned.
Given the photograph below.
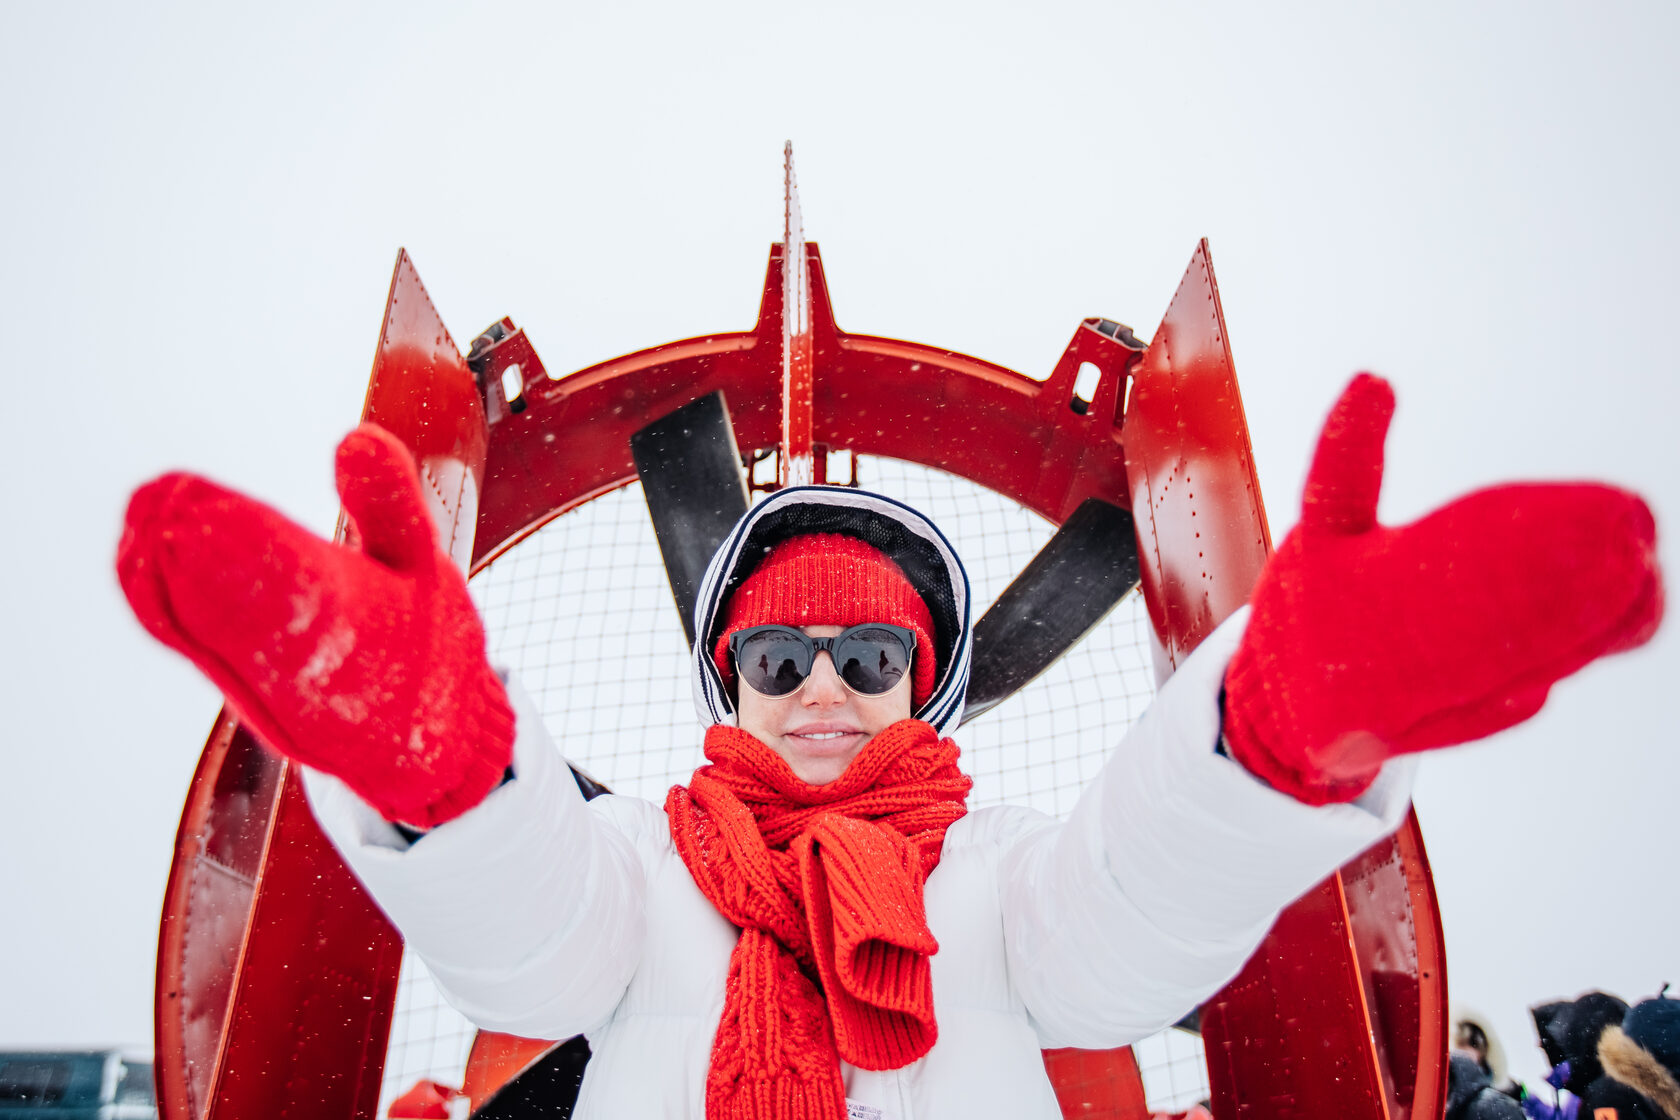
(819, 768)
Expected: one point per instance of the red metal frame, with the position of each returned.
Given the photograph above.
(1185, 435)
(240, 1034)
(1360, 957)
(875, 396)
(1099, 1084)
(276, 972)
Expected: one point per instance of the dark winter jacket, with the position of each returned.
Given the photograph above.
(1609, 1099)
(1642, 1057)
(1471, 1095)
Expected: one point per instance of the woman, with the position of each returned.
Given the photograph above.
(815, 924)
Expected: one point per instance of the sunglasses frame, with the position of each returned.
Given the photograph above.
(814, 646)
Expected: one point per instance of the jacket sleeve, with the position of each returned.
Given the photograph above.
(529, 908)
(1169, 871)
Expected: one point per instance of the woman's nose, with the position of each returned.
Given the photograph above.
(824, 686)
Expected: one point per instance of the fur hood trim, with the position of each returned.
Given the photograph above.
(1638, 1069)
(1460, 1014)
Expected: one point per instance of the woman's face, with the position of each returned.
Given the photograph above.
(821, 726)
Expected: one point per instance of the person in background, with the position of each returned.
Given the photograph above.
(1569, 1034)
(1470, 1092)
(1642, 1054)
(1473, 1033)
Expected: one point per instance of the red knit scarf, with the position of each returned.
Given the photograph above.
(826, 885)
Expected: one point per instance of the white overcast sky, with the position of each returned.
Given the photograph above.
(200, 206)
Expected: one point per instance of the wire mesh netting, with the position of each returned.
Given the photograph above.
(1174, 1068)
(582, 613)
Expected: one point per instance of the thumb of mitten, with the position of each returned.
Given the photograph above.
(381, 490)
(1345, 478)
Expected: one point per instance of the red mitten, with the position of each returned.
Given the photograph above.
(1367, 642)
(367, 665)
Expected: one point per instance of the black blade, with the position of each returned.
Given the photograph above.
(691, 476)
(1076, 578)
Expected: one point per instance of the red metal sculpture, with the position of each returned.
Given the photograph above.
(276, 974)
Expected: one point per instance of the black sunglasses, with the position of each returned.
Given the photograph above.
(775, 660)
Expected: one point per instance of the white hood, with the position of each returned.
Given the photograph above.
(910, 539)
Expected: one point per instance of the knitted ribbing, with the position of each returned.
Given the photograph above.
(826, 885)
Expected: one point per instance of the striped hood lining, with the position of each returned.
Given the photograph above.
(909, 538)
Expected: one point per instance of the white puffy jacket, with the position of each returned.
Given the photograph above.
(542, 915)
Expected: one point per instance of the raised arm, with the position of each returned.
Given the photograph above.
(1363, 646)
(368, 664)
(1369, 642)
(1169, 871)
(529, 908)
(369, 667)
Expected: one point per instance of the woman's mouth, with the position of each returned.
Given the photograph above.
(820, 740)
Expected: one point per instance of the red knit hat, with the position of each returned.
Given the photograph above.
(828, 579)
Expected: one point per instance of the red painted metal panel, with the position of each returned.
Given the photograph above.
(307, 1029)
(1341, 1010)
(257, 910)
(218, 856)
(276, 972)
(422, 391)
(1201, 527)
(872, 395)
(1396, 928)
(1097, 1084)
(1289, 1036)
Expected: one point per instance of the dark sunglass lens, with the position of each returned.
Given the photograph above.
(770, 663)
(872, 661)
